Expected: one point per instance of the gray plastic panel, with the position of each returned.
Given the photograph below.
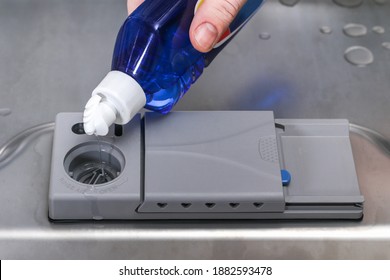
(118, 199)
(212, 162)
(217, 158)
(318, 154)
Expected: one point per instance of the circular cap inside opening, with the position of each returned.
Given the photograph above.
(94, 163)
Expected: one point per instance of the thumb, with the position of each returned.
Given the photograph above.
(211, 20)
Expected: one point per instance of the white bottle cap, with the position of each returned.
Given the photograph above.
(116, 99)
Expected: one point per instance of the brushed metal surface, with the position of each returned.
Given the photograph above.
(54, 52)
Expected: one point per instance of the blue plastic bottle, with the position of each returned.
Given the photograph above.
(154, 62)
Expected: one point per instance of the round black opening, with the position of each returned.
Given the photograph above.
(78, 128)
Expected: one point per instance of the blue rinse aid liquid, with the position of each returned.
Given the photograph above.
(154, 62)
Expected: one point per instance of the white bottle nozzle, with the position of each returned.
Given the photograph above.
(98, 116)
(115, 100)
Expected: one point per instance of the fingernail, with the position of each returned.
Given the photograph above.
(206, 35)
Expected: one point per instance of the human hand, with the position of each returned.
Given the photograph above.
(210, 21)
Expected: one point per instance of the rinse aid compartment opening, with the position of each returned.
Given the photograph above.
(94, 163)
(204, 165)
(75, 164)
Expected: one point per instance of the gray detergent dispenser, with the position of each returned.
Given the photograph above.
(204, 165)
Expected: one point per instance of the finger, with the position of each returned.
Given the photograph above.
(132, 5)
(211, 20)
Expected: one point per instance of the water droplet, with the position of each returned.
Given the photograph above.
(97, 218)
(326, 30)
(378, 29)
(380, 2)
(289, 3)
(359, 56)
(5, 111)
(386, 45)
(348, 3)
(265, 36)
(355, 30)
